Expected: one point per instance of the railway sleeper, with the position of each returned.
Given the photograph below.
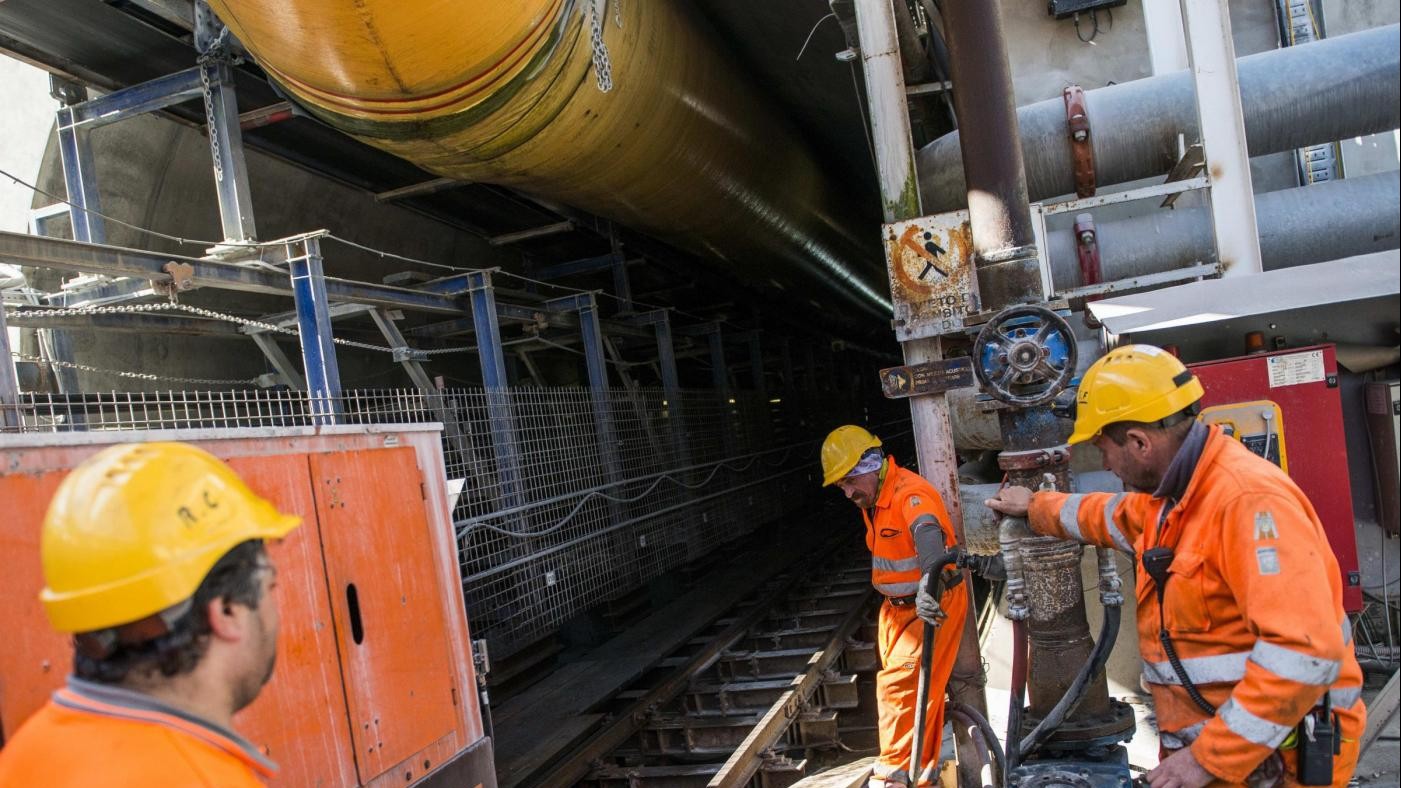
(739, 697)
(776, 772)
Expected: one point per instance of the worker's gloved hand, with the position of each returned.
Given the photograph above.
(926, 605)
(990, 567)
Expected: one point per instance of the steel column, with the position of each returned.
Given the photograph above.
(756, 364)
(488, 330)
(895, 162)
(80, 179)
(323, 377)
(9, 380)
(226, 150)
(1212, 56)
(785, 358)
(719, 369)
(493, 362)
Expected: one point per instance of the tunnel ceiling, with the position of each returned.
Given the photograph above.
(110, 44)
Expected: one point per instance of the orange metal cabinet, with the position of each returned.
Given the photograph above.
(387, 604)
(294, 718)
(399, 706)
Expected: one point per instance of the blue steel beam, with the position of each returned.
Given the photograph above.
(586, 265)
(488, 330)
(157, 94)
(323, 377)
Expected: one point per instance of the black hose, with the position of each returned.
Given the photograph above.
(967, 714)
(1018, 694)
(1108, 632)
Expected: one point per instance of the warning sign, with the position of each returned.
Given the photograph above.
(929, 378)
(932, 278)
(1296, 368)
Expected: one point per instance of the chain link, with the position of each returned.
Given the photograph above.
(206, 87)
(170, 306)
(136, 375)
(618, 13)
(603, 69)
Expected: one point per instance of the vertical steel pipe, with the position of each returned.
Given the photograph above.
(998, 206)
(933, 431)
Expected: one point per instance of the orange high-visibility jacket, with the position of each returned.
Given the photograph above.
(90, 734)
(1253, 605)
(906, 504)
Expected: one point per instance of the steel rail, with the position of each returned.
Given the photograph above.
(576, 766)
(745, 761)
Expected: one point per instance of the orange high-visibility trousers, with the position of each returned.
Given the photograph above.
(901, 636)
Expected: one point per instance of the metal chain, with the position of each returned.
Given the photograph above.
(206, 87)
(137, 375)
(193, 310)
(603, 69)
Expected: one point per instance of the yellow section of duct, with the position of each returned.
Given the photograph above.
(508, 92)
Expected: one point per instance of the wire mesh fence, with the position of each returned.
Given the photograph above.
(568, 498)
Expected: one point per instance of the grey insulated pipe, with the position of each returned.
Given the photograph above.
(1314, 93)
(1308, 224)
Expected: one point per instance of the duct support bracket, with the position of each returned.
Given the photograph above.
(1082, 152)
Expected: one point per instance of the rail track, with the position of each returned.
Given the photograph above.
(769, 688)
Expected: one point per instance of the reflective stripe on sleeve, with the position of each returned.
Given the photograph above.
(897, 589)
(1344, 698)
(1201, 670)
(1289, 664)
(1120, 541)
(894, 564)
(1069, 514)
(1182, 738)
(1253, 729)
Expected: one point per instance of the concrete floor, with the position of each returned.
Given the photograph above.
(1381, 764)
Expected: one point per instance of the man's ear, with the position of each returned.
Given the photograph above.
(1138, 441)
(227, 621)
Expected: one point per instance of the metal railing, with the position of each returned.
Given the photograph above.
(549, 521)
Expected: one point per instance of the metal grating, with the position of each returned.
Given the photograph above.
(552, 518)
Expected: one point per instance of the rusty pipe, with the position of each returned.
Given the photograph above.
(998, 206)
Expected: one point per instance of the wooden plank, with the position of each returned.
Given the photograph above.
(851, 775)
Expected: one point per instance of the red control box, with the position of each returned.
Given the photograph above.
(1285, 406)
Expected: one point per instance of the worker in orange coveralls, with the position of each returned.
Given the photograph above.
(1245, 644)
(153, 558)
(908, 532)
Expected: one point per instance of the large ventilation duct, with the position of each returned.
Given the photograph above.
(1304, 95)
(1308, 224)
(508, 93)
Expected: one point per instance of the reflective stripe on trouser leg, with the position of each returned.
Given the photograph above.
(901, 633)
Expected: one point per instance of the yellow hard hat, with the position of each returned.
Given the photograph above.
(1132, 383)
(134, 529)
(843, 449)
